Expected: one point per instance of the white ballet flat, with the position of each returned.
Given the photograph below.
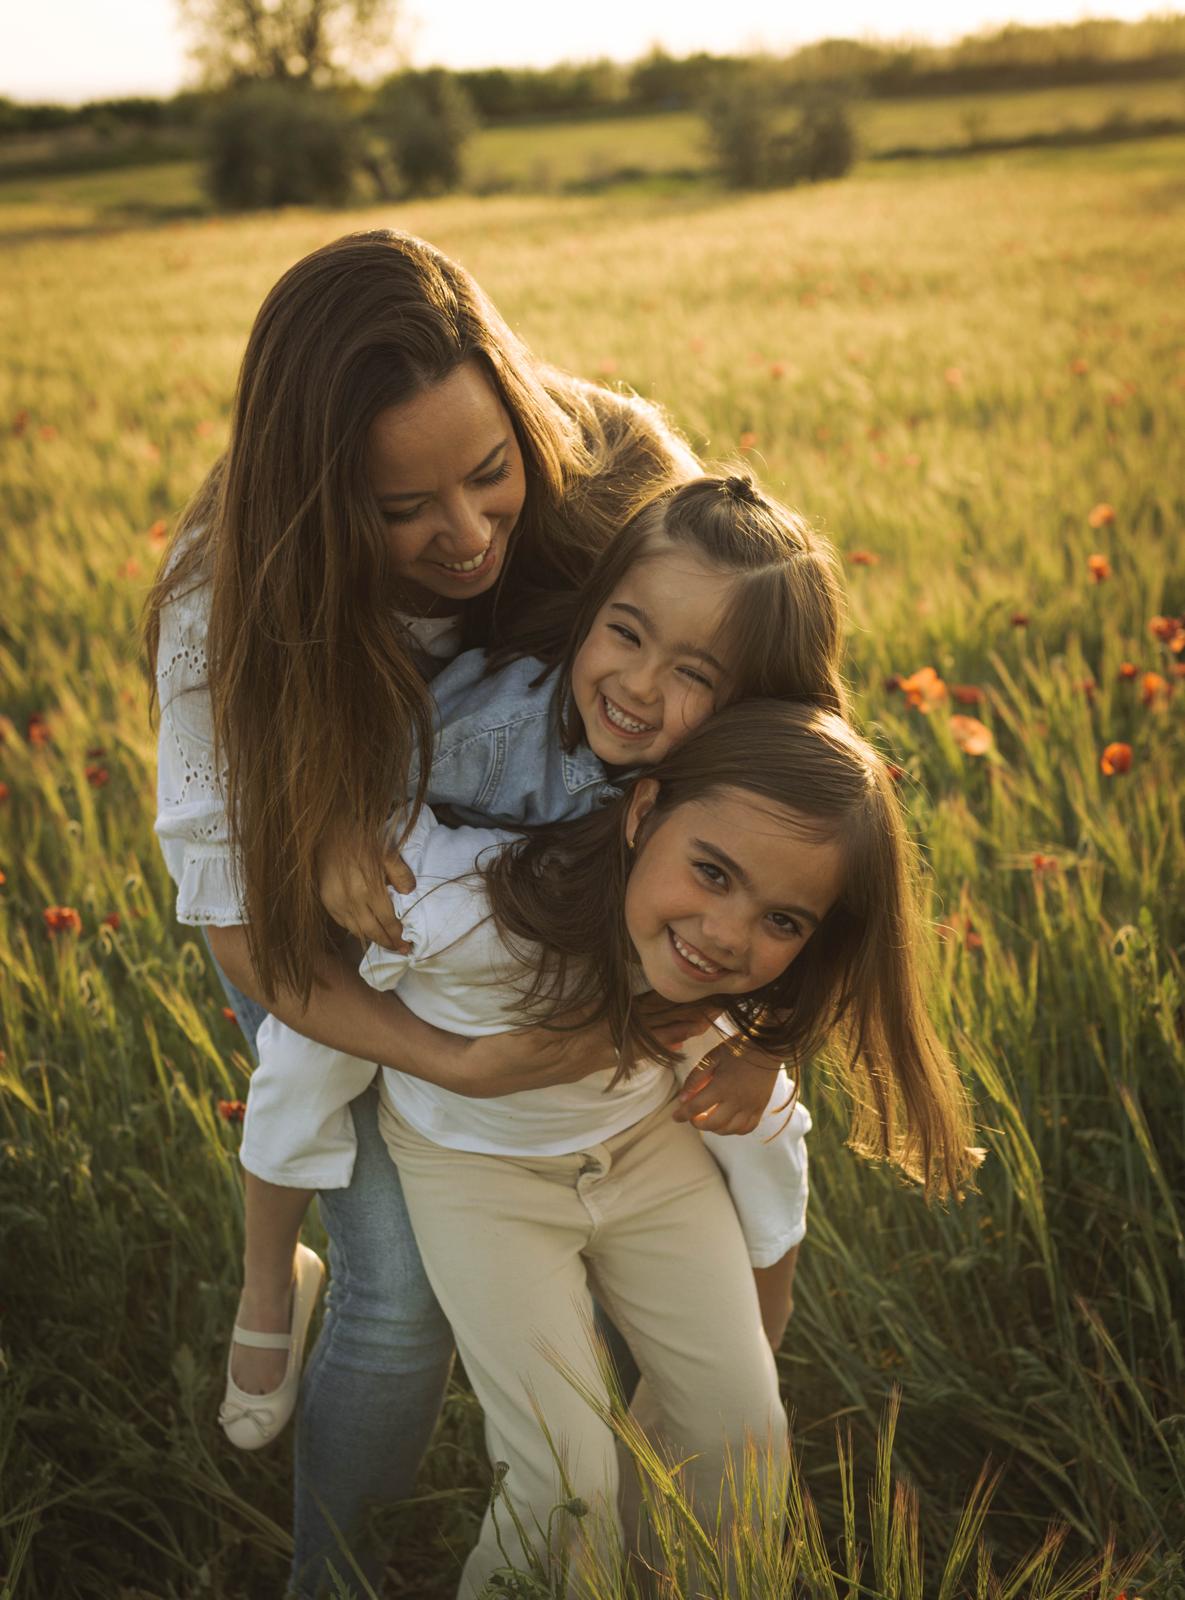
(250, 1421)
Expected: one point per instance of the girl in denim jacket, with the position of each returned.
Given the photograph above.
(712, 593)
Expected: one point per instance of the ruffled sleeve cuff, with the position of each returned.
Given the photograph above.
(208, 891)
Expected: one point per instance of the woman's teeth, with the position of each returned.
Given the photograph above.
(464, 566)
(694, 957)
(620, 720)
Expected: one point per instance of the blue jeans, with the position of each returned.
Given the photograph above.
(373, 1385)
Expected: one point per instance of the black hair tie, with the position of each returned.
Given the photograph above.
(738, 488)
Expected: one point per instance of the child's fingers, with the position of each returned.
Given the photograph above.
(399, 875)
(381, 926)
(696, 1081)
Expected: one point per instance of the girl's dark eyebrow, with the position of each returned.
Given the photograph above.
(742, 877)
(678, 648)
(422, 494)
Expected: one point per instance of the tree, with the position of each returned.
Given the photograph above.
(285, 41)
(425, 118)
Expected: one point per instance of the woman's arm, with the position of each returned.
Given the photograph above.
(346, 1014)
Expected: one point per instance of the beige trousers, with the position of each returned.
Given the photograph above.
(515, 1247)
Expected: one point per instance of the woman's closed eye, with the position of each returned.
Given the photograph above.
(487, 480)
(625, 633)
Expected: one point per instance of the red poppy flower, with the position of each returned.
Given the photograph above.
(747, 441)
(111, 920)
(62, 919)
(158, 534)
(1163, 628)
(1042, 864)
(895, 772)
(229, 1014)
(20, 422)
(954, 377)
(971, 735)
(923, 689)
(97, 777)
(1019, 619)
(130, 568)
(47, 431)
(1079, 366)
(96, 752)
(863, 558)
(37, 729)
(5, 791)
(1128, 669)
(1101, 515)
(232, 1110)
(1098, 567)
(1088, 687)
(1116, 758)
(3, 879)
(967, 694)
(1155, 690)
(777, 369)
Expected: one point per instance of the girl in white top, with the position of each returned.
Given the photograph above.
(763, 863)
(711, 593)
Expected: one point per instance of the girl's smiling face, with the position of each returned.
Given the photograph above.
(649, 671)
(447, 471)
(725, 891)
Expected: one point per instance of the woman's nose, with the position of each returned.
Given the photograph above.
(469, 529)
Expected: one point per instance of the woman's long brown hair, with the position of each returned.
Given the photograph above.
(856, 985)
(317, 703)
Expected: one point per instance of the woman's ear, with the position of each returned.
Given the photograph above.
(645, 793)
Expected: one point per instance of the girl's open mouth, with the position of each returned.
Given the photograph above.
(693, 962)
(621, 722)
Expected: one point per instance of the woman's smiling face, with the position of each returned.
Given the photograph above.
(447, 471)
(725, 891)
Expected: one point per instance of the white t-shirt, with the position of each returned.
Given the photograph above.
(460, 976)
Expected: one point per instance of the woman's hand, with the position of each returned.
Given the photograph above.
(355, 896)
(729, 1089)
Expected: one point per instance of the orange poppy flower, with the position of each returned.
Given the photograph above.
(923, 689)
(1042, 864)
(37, 729)
(97, 777)
(747, 441)
(112, 920)
(1079, 366)
(1128, 669)
(954, 377)
(1116, 758)
(3, 879)
(229, 1014)
(1098, 567)
(158, 534)
(62, 919)
(777, 369)
(1163, 628)
(130, 569)
(1155, 691)
(1101, 515)
(47, 431)
(967, 694)
(232, 1110)
(5, 791)
(895, 772)
(863, 558)
(972, 736)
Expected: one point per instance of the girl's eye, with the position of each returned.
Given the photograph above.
(626, 633)
(697, 678)
(711, 872)
(499, 475)
(784, 923)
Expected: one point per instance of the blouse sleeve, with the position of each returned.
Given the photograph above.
(191, 820)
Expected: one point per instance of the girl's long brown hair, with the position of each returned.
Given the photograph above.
(317, 703)
(856, 984)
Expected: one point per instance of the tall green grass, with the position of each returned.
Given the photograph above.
(948, 371)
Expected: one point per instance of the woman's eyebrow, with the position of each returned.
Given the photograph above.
(743, 878)
(423, 494)
(679, 648)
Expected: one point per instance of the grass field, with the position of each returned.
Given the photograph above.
(973, 379)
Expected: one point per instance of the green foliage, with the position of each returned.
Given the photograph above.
(953, 399)
(425, 119)
(269, 145)
(746, 118)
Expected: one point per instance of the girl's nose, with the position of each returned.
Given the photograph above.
(640, 681)
(724, 933)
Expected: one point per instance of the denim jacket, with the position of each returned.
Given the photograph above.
(498, 756)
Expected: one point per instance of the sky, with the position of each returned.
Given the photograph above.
(71, 50)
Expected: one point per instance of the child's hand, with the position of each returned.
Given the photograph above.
(356, 897)
(729, 1090)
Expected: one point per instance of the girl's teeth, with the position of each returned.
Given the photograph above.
(689, 955)
(464, 566)
(619, 719)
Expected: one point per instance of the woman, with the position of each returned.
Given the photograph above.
(403, 480)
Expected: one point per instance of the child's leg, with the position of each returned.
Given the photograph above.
(272, 1225)
(775, 1296)
(670, 1265)
(501, 1239)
